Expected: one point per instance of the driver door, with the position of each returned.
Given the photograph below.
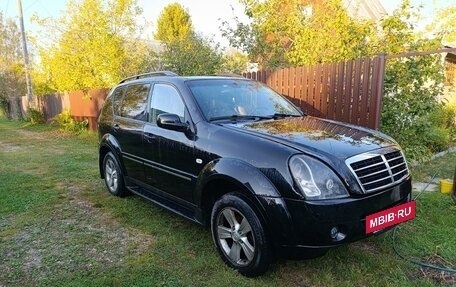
(168, 155)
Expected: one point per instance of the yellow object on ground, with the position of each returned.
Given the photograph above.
(446, 186)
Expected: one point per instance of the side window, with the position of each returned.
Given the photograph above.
(117, 100)
(134, 102)
(165, 99)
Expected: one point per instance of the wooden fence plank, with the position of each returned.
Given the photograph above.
(347, 92)
(356, 92)
(332, 92)
(366, 91)
(324, 91)
(375, 104)
(340, 91)
(311, 91)
(317, 94)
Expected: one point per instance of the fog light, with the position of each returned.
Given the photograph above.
(336, 235)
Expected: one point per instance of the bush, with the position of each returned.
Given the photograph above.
(437, 139)
(3, 108)
(67, 123)
(449, 120)
(35, 116)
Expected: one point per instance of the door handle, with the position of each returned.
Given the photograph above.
(150, 137)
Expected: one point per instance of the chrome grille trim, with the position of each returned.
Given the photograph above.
(378, 169)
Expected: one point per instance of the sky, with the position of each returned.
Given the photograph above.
(205, 14)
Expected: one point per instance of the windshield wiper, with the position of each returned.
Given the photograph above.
(238, 117)
(281, 115)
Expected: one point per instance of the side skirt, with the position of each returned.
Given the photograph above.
(169, 202)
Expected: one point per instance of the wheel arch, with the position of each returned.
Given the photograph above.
(108, 143)
(225, 175)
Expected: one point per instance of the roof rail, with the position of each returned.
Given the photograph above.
(148, 75)
(228, 75)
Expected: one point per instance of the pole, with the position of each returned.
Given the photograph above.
(28, 80)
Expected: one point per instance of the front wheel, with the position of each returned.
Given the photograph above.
(239, 236)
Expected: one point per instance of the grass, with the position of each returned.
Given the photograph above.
(60, 227)
(441, 167)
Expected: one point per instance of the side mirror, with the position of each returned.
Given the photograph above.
(172, 122)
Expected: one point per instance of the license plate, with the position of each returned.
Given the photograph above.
(390, 217)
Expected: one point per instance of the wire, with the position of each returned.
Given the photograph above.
(420, 263)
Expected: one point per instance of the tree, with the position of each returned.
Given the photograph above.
(174, 24)
(443, 25)
(193, 55)
(299, 32)
(412, 86)
(90, 49)
(234, 62)
(185, 52)
(12, 77)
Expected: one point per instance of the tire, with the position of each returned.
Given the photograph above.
(239, 236)
(113, 176)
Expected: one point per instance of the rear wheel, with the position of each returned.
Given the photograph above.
(239, 236)
(113, 176)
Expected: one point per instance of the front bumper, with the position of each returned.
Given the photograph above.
(308, 224)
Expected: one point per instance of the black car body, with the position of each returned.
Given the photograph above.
(289, 180)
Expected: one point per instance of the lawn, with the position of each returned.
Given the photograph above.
(60, 227)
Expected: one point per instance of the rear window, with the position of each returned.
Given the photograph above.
(131, 101)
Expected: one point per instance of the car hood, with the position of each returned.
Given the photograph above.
(311, 134)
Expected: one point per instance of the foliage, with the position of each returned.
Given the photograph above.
(174, 24)
(35, 116)
(3, 108)
(412, 87)
(191, 56)
(12, 77)
(296, 32)
(234, 62)
(185, 52)
(88, 45)
(443, 25)
(67, 123)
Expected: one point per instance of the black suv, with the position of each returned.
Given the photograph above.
(231, 153)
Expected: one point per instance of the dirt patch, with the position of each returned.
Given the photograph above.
(76, 237)
(7, 147)
(436, 275)
(365, 246)
(32, 135)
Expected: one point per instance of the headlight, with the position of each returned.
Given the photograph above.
(316, 180)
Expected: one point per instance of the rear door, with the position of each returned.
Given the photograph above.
(130, 108)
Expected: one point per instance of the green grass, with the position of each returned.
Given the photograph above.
(441, 167)
(60, 227)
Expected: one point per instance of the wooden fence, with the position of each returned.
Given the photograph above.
(83, 106)
(350, 91)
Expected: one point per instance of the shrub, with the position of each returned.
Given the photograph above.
(437, 139)
(3, 108)
(35, 116)
(67, 123)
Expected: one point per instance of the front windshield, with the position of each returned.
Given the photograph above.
(219, 98)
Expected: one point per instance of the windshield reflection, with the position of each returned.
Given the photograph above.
(220, 98)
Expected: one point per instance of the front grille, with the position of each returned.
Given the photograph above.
(375, 171)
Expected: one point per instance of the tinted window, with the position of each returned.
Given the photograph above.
(134, 102)
(165, 99)
(117, 97)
